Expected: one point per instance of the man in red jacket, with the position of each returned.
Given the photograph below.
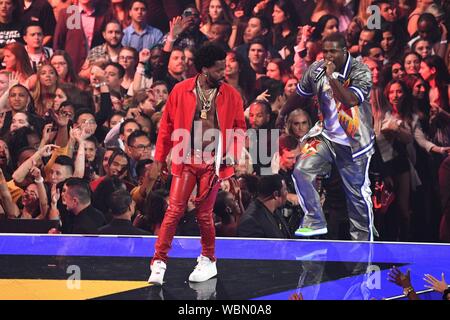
(203, 126)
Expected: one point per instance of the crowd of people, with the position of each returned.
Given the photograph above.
(84, 85)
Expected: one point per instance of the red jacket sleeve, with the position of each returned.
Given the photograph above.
(164, 143)
(239, 128)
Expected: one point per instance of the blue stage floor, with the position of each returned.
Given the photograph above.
(117, 268)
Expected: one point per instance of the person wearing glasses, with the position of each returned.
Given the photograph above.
(128, 58)
(138, 148)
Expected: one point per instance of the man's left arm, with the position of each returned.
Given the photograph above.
(358, 90)
(238, 131)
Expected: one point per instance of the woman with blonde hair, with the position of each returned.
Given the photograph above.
(298, 123)
(44, 91)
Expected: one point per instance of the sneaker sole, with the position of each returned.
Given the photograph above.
(197, 281)
(155, 283)
(317, 232)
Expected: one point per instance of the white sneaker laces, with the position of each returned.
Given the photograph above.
(202, 261)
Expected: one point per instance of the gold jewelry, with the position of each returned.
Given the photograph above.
(206, 102)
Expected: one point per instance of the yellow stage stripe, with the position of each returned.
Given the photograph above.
(32, 289)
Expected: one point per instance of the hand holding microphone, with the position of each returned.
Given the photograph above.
(328, 68)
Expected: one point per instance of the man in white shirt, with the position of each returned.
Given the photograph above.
(34, 39)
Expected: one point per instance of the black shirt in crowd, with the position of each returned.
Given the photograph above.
(259, 222)
(10, 32)
(42, 12)
(88, 221)
(122, 227)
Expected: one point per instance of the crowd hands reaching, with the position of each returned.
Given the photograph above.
(80, 111)
(404, 281)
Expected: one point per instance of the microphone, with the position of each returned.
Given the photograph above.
(320, 74)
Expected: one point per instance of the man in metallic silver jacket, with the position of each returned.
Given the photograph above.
(343, 136)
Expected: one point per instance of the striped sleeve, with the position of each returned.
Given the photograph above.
(361, 82)
(304, 87)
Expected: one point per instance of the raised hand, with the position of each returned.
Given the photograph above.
(144, 55)
(261, 6)
(264, 96)
(235, 188)
(399, 278)
(62, 120)
(176, 27)
(99, 74)
(48, 134)
(35, 172)
(46, 151)
(55, 195)
(13, 79)
(435, 284)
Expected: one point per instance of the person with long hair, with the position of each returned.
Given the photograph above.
(298, 124)
(391, 43)
(325, 26)
(65, 92)
(129, 59)
(411, 62)
(393, 71)
(290, 86)
(152, 211)
(421, 101)
(63, 64)
(44, 91)
(217, 10)
(277, 69)
(333, 7)
(285, 22)
(433, 71)
(423, 47)
(352, 34)
(16, 60)
(363, 14)
(400, 127)
(240, 75)
(120, 10)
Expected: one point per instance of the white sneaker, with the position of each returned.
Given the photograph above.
(158, 268)
(205, 270)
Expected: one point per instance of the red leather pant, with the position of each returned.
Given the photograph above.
(203, 175)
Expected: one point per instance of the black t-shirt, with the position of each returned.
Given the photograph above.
(10, 32)
(40, 11)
